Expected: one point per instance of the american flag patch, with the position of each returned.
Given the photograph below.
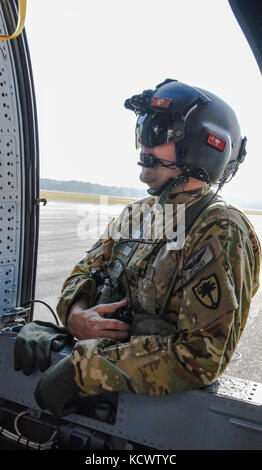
(108, 231)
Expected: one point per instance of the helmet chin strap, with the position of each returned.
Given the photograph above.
(150, 161)
(164, 190)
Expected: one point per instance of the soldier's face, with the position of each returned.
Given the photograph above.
(156, 176)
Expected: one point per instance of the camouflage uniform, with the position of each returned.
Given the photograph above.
(202, 293)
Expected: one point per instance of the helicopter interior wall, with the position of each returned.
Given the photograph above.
(19, 178)
(10, 183)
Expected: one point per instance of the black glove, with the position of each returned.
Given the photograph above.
(34, 343)
(57, 390)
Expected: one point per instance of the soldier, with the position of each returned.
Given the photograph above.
(185, 307)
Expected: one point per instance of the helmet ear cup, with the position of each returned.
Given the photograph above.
(213, 139)
(242, 151)
(233, 165)
(200, 153)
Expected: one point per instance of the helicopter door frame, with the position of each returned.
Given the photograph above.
(248, 15)
(19, 169)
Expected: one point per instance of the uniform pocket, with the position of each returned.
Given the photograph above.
(147, 295)
(138, 346)
(144, 324)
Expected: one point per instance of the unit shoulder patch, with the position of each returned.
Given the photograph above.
(208, 292)
(197, 262)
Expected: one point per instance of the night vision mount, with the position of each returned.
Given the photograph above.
(140, 104)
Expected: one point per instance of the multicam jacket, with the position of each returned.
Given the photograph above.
(201, 292)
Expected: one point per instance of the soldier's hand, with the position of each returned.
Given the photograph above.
(87, 323)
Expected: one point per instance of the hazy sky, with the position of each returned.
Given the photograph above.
(89, 56)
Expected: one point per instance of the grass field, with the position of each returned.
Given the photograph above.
(252, 211)
(81, 197)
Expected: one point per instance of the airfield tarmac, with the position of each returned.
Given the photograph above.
(68, 230)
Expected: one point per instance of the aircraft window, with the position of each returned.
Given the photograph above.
(105, 52)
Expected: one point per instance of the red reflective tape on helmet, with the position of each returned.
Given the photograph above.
(216, 142)
(161, 102)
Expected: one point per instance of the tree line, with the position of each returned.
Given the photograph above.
(122, 191)
(90, 188)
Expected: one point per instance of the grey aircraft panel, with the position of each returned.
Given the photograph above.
(226, 415)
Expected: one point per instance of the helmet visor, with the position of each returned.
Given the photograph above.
(154, 129)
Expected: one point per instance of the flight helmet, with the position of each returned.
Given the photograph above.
(205, 130)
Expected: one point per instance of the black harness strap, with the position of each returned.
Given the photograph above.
(194, 211)
(191, 215)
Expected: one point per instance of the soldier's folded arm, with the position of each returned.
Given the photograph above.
(79, 283)
(80, 288)
(76, 307)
